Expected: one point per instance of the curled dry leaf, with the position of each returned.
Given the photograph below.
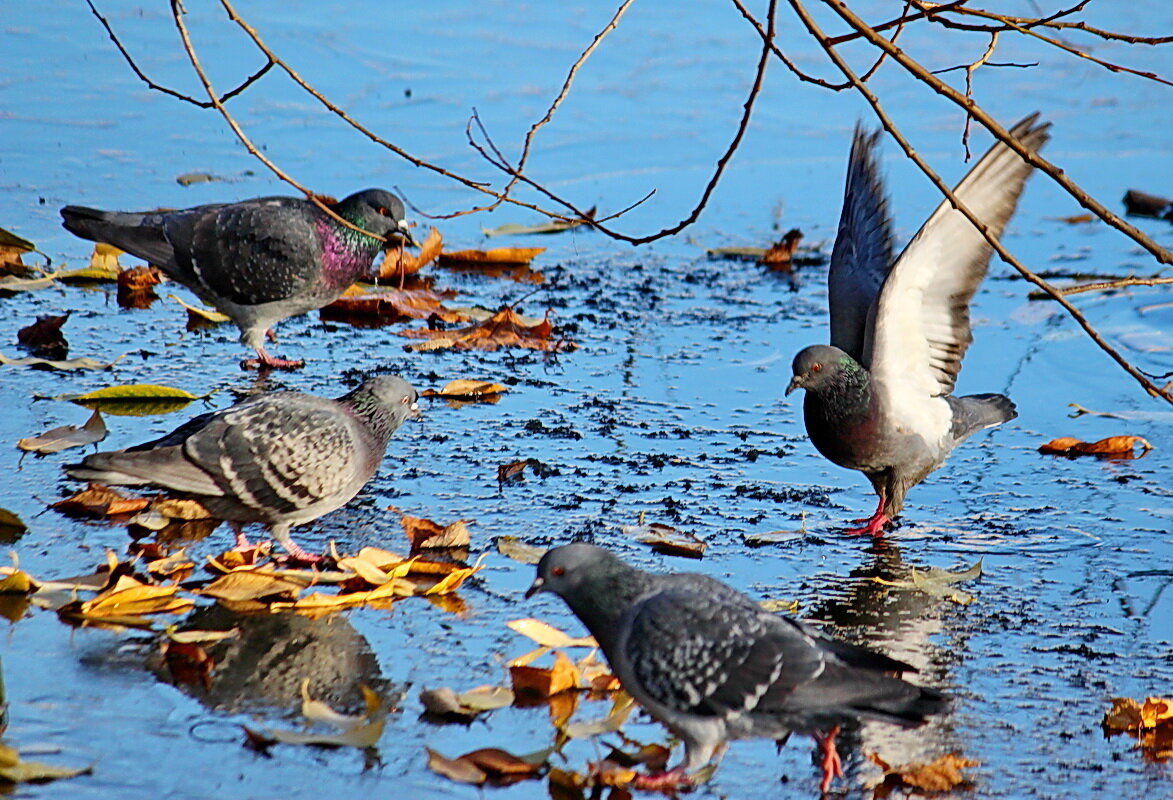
(129, 598)
(139, 279)
(778, 257)
(97, 500)
(529, 681)
(11, 249)
(85, 362)
(360, 731)
(468, 389)
(103, 265)
(384, 306)
(188, 663)
(487, 765)
(1128, 715)
(1113, 446)
(938, 582)
(200, 316)
(506, 328)
(667, 540)
(941, 775)
(66, 436)
(253, 584)
(398, 264)
(44, 338)
(424, 534)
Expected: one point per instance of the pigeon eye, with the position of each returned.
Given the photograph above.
(816, 367)
(405, 400)
(559, 571)
(383, 210)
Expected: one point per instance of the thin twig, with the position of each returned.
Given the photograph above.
(529, 137)
(981, 227)
(1104, 286)
(177, 11)
(1011, 24)
(249, 81)
(969, 70)
(1043, 165)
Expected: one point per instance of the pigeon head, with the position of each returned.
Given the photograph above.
(566, 570)
(377, 211)
(816, 367)
(387, 401)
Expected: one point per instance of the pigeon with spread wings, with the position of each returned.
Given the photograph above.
(879, 397)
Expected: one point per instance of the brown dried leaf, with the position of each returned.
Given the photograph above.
(498, 256)
(257, 584)
(468, 389)
(504, 329)
(100, 501)
(44, 338)
(393, 305)
(511, 471)
(667, 540)
(139, 279)
(1114, 446)
(779, 256)
(487, 765)
(129, 597)
(514, 548)
(424, 534)
(453, 581)
(398, 264)
(188, 663)
(543, 682)
(1127, 714)
(67, 436)
(940, 775)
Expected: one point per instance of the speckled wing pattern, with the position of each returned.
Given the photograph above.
(863, 248)
(253, 252)
(714, 654)
(281, 452)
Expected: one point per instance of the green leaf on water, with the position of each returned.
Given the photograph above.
(135, 399)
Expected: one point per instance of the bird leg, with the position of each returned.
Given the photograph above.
(242, 543)
(296, 552)
(271, 335)
(832, 765)
(266, 361)
(670, 780)
(875, 523)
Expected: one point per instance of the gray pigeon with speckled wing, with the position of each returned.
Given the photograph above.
(879, 397)
(257, 261)
(282, 459)
(709, 663)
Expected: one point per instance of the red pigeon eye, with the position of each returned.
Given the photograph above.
(384, 211)
(405, 400)
(559, 571)
(816, 367)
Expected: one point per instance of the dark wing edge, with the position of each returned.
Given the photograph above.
(862, 254)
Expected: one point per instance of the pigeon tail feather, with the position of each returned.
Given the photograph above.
(974, 412)
(133, 232)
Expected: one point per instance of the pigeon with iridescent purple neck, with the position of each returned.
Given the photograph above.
(257, 261)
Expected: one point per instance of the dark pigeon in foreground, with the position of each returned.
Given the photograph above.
(282, 459)
(257, 261)
(879, 397)
(709, 663)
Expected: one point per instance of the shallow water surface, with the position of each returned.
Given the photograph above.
(672, 405)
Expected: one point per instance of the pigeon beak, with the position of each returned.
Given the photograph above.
(795, 383)
(404, 234)
(415, 412)
(538, 585)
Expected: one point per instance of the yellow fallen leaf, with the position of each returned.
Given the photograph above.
(547, 635)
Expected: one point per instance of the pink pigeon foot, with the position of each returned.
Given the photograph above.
(875, 523)
(669, 781)
(266, 361)
(831, 764)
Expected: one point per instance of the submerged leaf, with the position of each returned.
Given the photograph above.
(66, 436)
(44, 338)
(84, 362)
(547, 635)
(667, 540)
(941, 775)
